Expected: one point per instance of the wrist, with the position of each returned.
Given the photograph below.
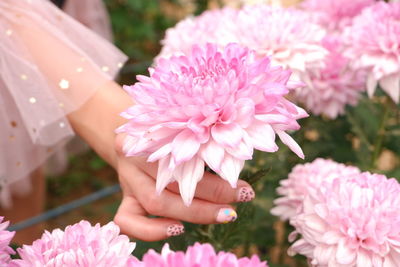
(97, 120)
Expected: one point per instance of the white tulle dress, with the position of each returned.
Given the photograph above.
(50, 64)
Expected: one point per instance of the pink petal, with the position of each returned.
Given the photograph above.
(129, 145)
(301, 247)
(227, 134)
(391, 85)
(173, 125)
(184, 146)
(230, 169)
(188, 174)
(164, 174)
(377, 261)
(363, 259)
(371, 84)
(160, 153)
(213, 154)
(275, 89)
(321, 210)
(345, 255)
(262, 136)
(159, 132)
(292, 236)
(134, 146)
(392, 260)
(315, 225)
(228, 114)
(272, 118)
(191, 110)
(389, 262)
(291, 143)
(243, 151)
(331, 237)
(245, 112)
(202, 132)
(324, 254)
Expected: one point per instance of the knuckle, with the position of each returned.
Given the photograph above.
(119, 220)
(118, 144)
(219, 194)
(154, 204)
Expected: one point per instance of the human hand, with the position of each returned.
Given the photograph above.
(138, 182)
(95, 122)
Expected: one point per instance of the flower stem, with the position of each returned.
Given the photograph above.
(358, 130)
(380, 134)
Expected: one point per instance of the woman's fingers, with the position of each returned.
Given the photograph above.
(214, 189)
(211, 187)
(170, 205)
(133, 221)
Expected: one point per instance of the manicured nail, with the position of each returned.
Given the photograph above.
(245, 194)
(226, 215)
(175, 229)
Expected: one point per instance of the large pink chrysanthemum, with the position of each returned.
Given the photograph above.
(336, 14)
(210, 107)
(306, 178)
(353, 222)
(5, 239)
(374, 44)
(197, 255)
(212, 26)
(79, 245)
(289, 36)
(335, 85)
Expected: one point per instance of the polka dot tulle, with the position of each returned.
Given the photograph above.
(50, 67)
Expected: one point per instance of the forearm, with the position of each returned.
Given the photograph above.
(97, 119)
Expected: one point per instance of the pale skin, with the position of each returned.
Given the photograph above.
(96, 121)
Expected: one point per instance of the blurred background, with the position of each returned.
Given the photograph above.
(138, 26)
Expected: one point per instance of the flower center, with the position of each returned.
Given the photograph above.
(205, 74)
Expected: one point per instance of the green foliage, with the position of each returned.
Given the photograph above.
(138, 27)
(97, 163)
(80, 177)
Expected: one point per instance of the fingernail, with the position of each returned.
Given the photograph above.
(245, 194)
(175, 229)
(226, 215)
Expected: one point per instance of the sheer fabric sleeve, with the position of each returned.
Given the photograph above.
(49, 66)
(92, 14)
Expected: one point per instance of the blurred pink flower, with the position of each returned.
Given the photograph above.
(374, 44)
(80, 245)
(5, 239)
(289, 36)
(197, 255)
(212, 26)
(336, 14)
(335, 85)
(352, 222)
(306, 178)
(210, 107)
